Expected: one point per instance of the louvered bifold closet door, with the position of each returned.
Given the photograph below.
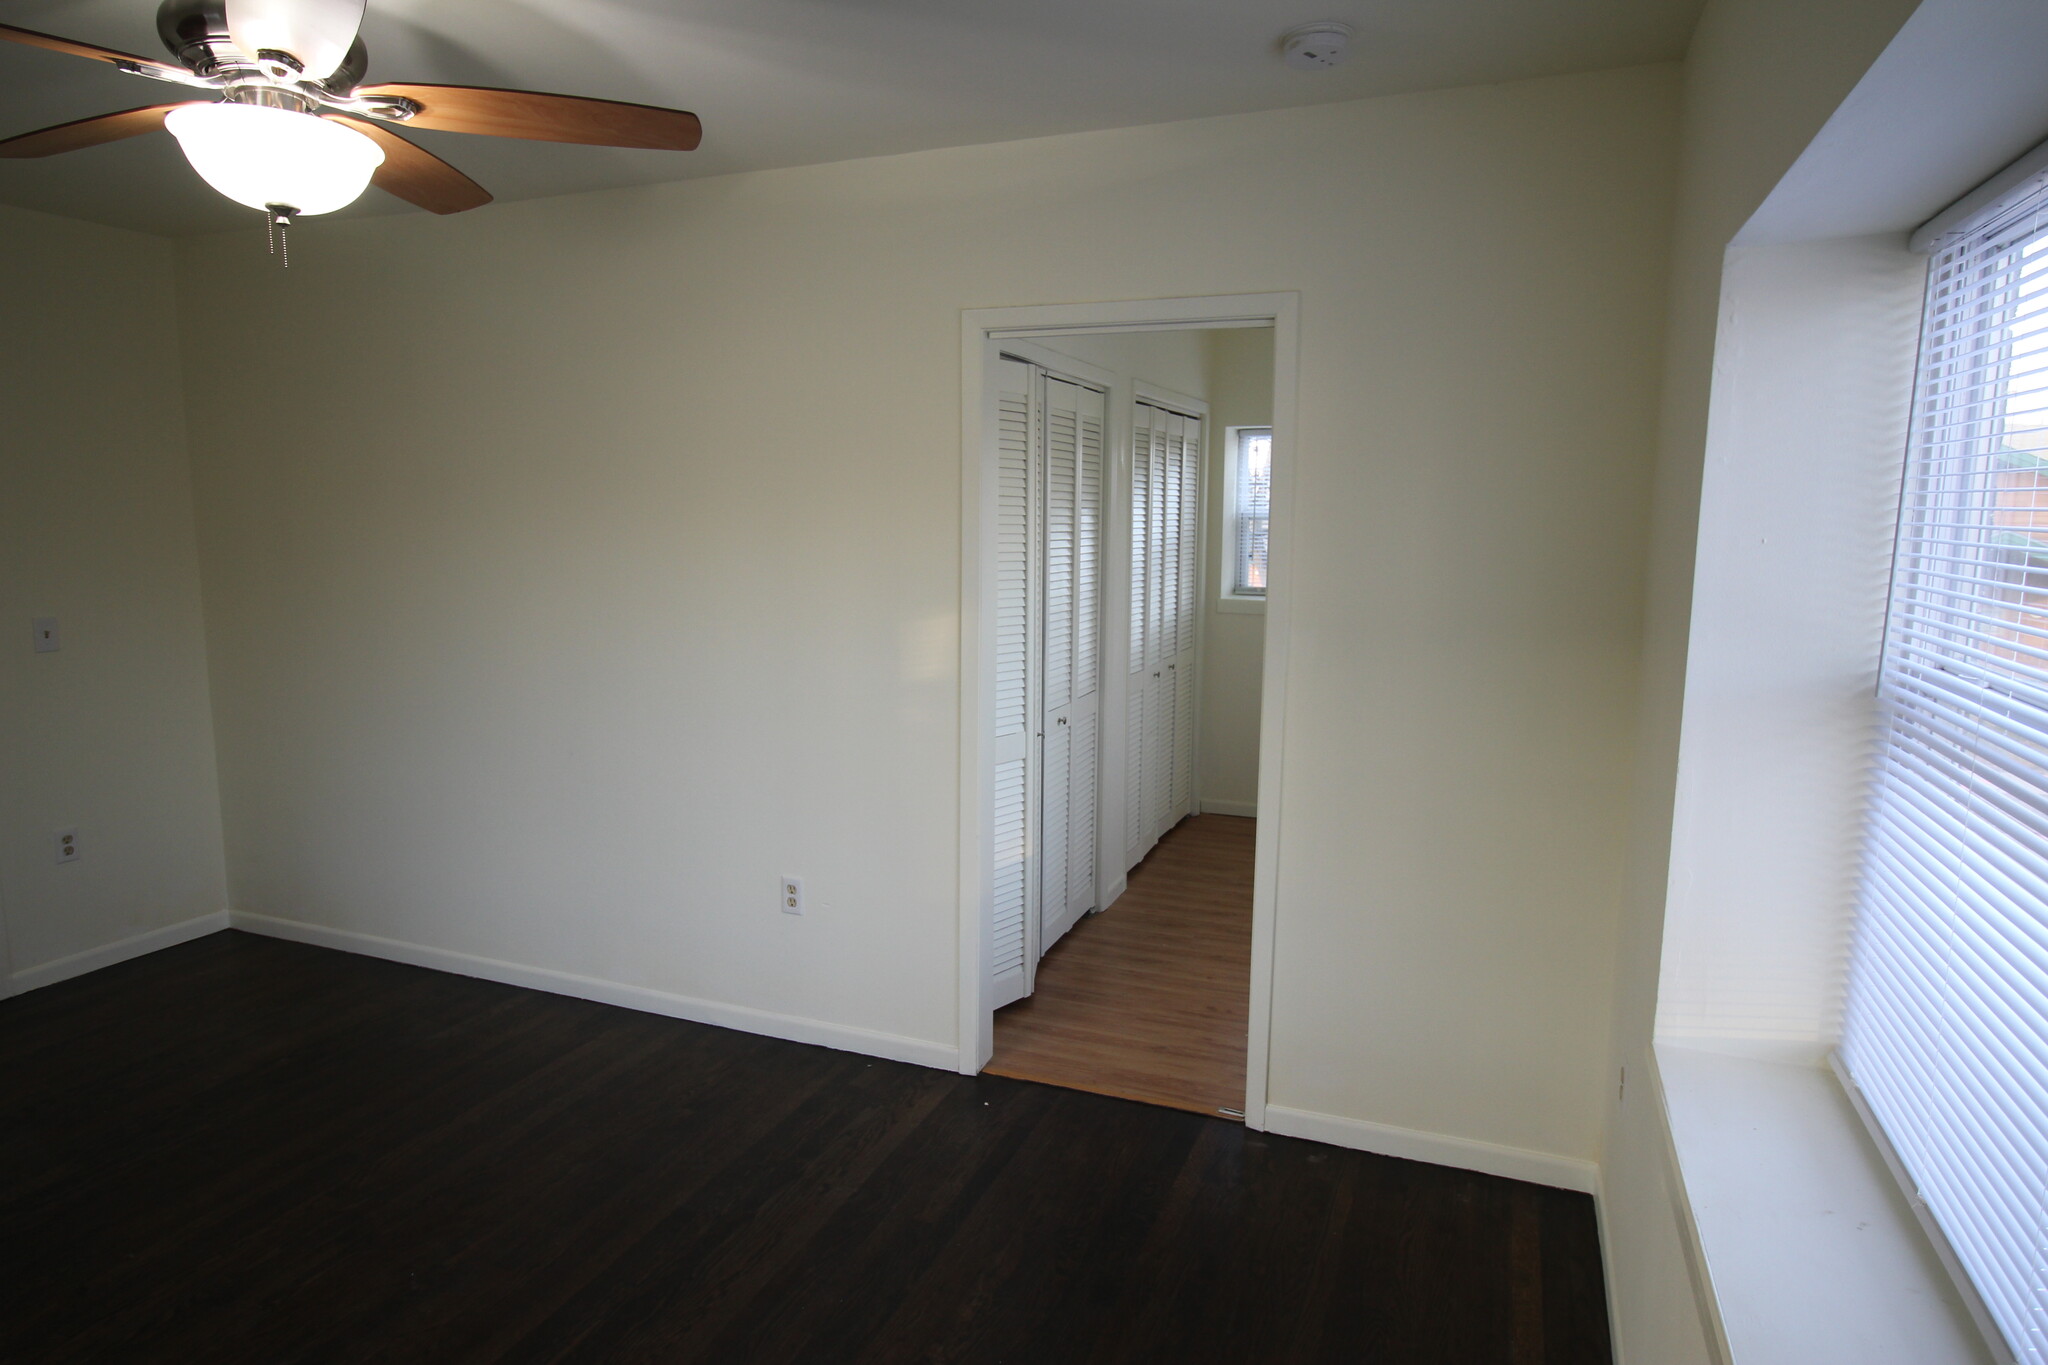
(1071, 515)
(1946, 1028)
(1162, 577)
(1181, 667)
(1013, 904)
(1083, 872)
(1166, 473)
(1139, 828)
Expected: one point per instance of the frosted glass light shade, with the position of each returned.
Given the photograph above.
(260, 156)
(317, 32)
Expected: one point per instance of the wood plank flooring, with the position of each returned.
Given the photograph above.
(244, 1150)
(1148, 1000)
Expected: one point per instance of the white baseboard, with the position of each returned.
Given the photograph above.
(1614, 1346)
(795, 1028)
(135, 945)
(1213, 806)
(1538, 1168)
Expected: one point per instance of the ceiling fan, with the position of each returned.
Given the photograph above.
(291, 129)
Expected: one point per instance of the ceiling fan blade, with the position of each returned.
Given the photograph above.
(416, 175)
(546, 118)
(30, 38)
(317, 32)
(90, 132)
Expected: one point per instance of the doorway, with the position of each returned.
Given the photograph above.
(1160, 990)
(1149, 999)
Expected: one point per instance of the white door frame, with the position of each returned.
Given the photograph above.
(979, 326)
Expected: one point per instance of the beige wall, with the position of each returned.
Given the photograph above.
(1234, 642)
(1173, 360)
(1799, 498)
(112, 733)
(1760, 80)
(608, 566)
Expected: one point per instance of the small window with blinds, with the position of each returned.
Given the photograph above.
(1945, 1034)
(1248, 489)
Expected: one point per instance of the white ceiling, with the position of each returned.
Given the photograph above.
(793, 82)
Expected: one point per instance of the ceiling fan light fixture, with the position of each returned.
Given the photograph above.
(296, 131)
(261, 157)
(315, 33)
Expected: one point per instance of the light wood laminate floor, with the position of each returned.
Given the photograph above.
(1148, 1000)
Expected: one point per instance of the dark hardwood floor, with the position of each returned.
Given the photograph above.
(248, 1150)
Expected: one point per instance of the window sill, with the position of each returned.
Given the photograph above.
(1250, 605)
(1811, 1255)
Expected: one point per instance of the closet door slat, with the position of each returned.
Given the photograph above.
(1088, 557)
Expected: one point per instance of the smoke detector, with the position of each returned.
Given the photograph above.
(1316, 47)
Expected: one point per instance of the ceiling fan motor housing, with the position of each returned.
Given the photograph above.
(196, 34)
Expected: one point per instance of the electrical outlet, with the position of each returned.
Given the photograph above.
(792, 895)
(66, 844)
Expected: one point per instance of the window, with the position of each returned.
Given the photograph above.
(1945, 1037)
(1248, 485)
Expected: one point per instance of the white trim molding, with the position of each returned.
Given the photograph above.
(1216, 805)
(1160, 396)
(794, 1028)
(1606, 1235)
(135, 945)
(1515, 1163)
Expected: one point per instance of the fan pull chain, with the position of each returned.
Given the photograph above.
(279, 218)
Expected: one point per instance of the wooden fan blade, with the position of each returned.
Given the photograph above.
(415, 174)
(30, 38)
(90, 132)
(546, 118)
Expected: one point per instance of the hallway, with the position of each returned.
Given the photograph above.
(1149, 1000)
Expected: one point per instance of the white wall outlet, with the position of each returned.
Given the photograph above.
(792, 895)
(43, 630)
(65, 841)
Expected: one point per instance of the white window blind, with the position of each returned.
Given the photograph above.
(1251, 500)
(1946, 1028)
